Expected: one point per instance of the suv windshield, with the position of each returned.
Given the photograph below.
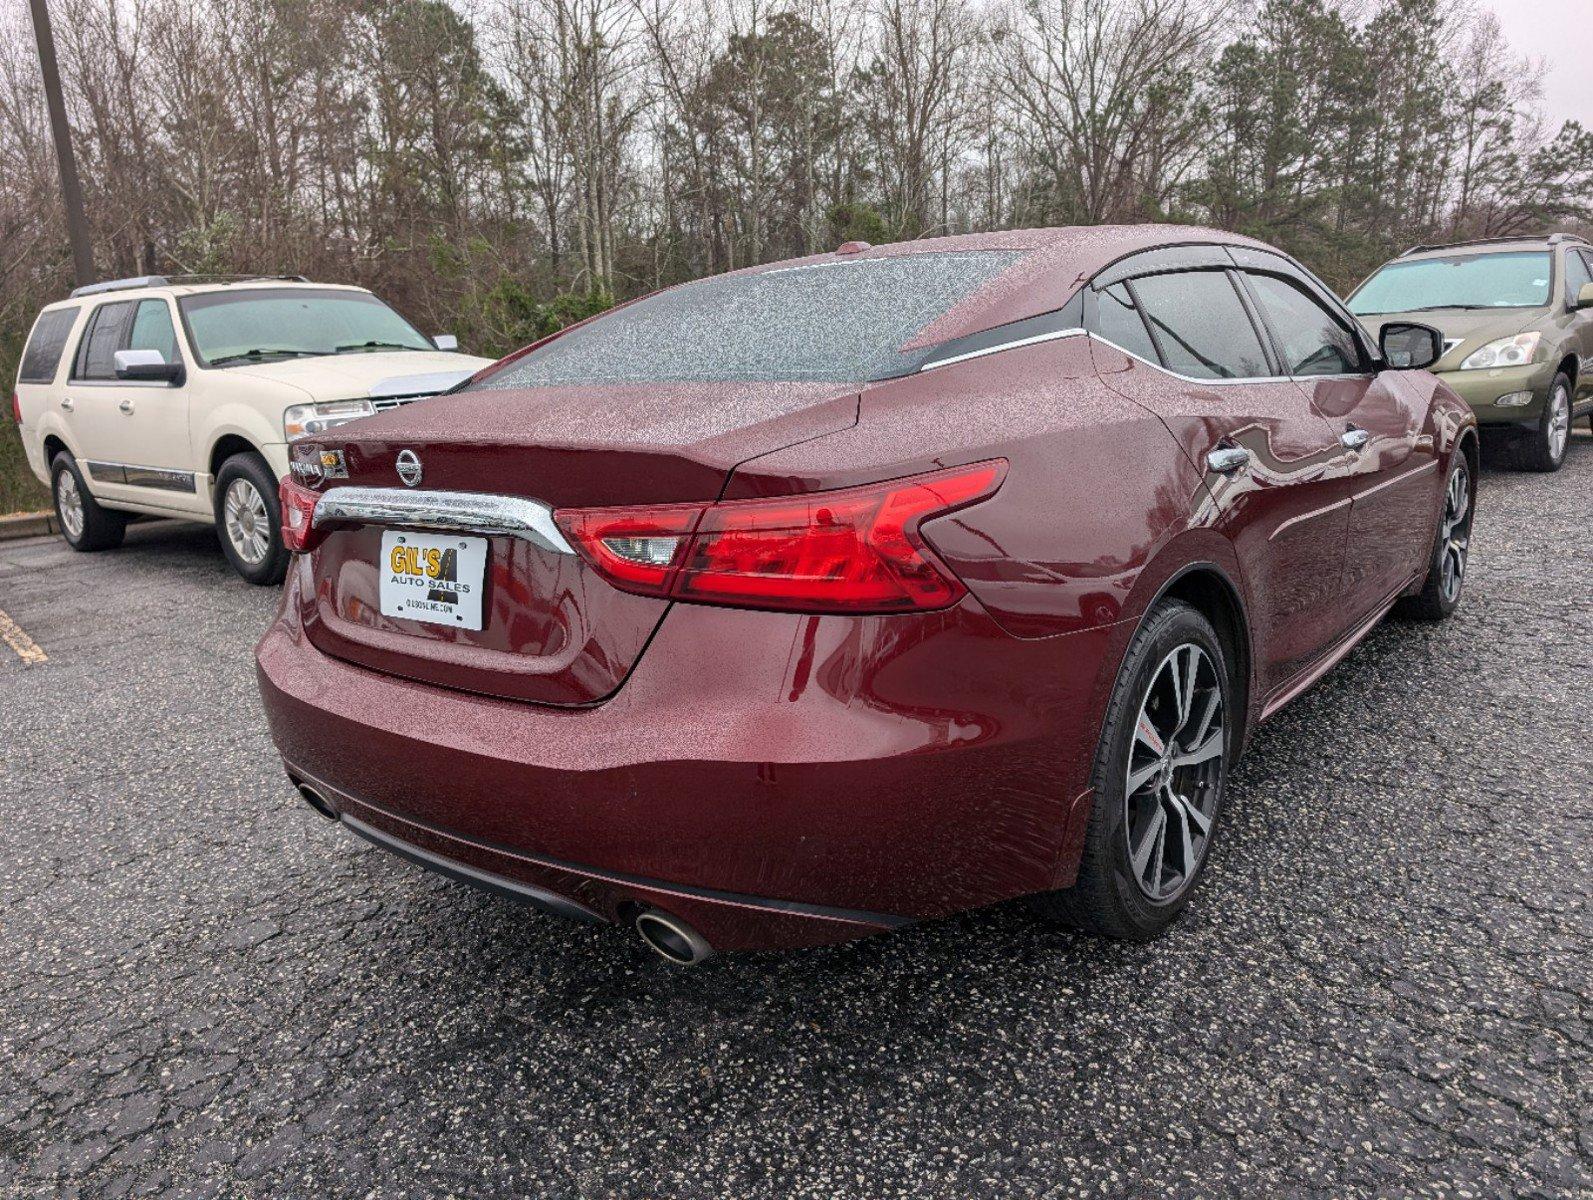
(235, 328)
(1519, 280)
(832, 322)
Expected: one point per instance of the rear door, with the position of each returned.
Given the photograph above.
(1184, 343)
(1386, 467)
(133, 434)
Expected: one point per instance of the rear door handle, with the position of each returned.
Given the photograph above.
(126, 406)
(66, 403)
(1354, 438)
(1225, 460)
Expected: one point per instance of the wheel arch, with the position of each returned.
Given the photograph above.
(1207, 588)
(225, 446)
(1570, 366)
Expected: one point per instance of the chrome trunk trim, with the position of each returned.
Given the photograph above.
(457, 512)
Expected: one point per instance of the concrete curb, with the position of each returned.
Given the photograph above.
(26, 525)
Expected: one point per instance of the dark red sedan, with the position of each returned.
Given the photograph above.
(816, 599)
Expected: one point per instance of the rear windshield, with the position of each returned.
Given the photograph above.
(835, 322)
(45, 346)
(1519, 280)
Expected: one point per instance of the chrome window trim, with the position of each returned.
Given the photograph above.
(1054, 335)
(457, 512)
(162, 384)
(1195, 378)
(1368, 375)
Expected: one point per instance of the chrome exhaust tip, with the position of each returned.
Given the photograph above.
(671, 938)
(317, 801)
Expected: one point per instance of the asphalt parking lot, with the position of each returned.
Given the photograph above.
(1383, 987)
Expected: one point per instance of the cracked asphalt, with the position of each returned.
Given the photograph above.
(1382, 988)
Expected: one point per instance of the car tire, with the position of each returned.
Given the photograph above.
(1123, 889)
(249, 520)
(1447, 562)
(84, 524)
(1543, 449)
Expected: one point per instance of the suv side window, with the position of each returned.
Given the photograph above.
(153, 330)
(1312, 340)
(1119, 321)
(96, 352)
(46, 344)
(1576, 275)
(1201, 326)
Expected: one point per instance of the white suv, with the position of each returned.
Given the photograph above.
(177, 398)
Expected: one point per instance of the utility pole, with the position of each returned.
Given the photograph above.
(71, 190)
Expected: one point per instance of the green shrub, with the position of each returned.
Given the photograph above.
(19, 490)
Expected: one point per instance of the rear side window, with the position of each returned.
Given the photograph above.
(1201, 326)
(46, 345)
(1118, 320)
(96, 353)
(830, 321)
(153, 330)
(1311, 339)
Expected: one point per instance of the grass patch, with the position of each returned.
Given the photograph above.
(19, 490)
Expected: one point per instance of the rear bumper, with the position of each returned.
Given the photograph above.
(775, 780)
(728, 921)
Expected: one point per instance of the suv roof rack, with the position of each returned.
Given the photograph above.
(1553, 239)
(144, 281)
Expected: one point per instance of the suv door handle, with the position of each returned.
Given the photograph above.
(1225, 460)
(1354, 439)
(126, 406)
(66, 403)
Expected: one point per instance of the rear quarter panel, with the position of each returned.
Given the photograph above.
(1096, 488)
(1100, 509)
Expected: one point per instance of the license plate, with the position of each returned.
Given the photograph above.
(435, 578)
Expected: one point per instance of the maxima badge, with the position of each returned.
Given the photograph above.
(409, 467)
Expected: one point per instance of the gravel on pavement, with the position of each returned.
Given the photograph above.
(1383, 986)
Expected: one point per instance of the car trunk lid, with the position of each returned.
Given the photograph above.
(552, 631)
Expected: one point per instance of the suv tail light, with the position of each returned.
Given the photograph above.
(852, 550)
(298, 503)
(16, 408)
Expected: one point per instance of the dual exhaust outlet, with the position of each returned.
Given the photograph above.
(664, 934)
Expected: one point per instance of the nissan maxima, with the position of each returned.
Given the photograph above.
(816, 599)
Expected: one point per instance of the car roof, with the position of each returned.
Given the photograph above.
(1056, 262)
(1496, 245)
(146, 287)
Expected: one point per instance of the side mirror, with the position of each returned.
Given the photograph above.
(1584, 298)
(445, 341)
(1407, 346)
(147, 366)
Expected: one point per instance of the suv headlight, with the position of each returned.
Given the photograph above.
(301, 419)
(1506, 352)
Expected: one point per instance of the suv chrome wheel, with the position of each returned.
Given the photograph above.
(1558, 419)
(69, 504)
(248, 521)
(1174, 773)
(1456, 533)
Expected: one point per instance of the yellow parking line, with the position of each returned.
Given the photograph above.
(27, 649)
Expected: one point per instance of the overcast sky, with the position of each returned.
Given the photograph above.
(1560, 31)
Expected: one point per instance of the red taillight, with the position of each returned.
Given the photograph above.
(16, 408)
(853, 550)
(298, 515)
